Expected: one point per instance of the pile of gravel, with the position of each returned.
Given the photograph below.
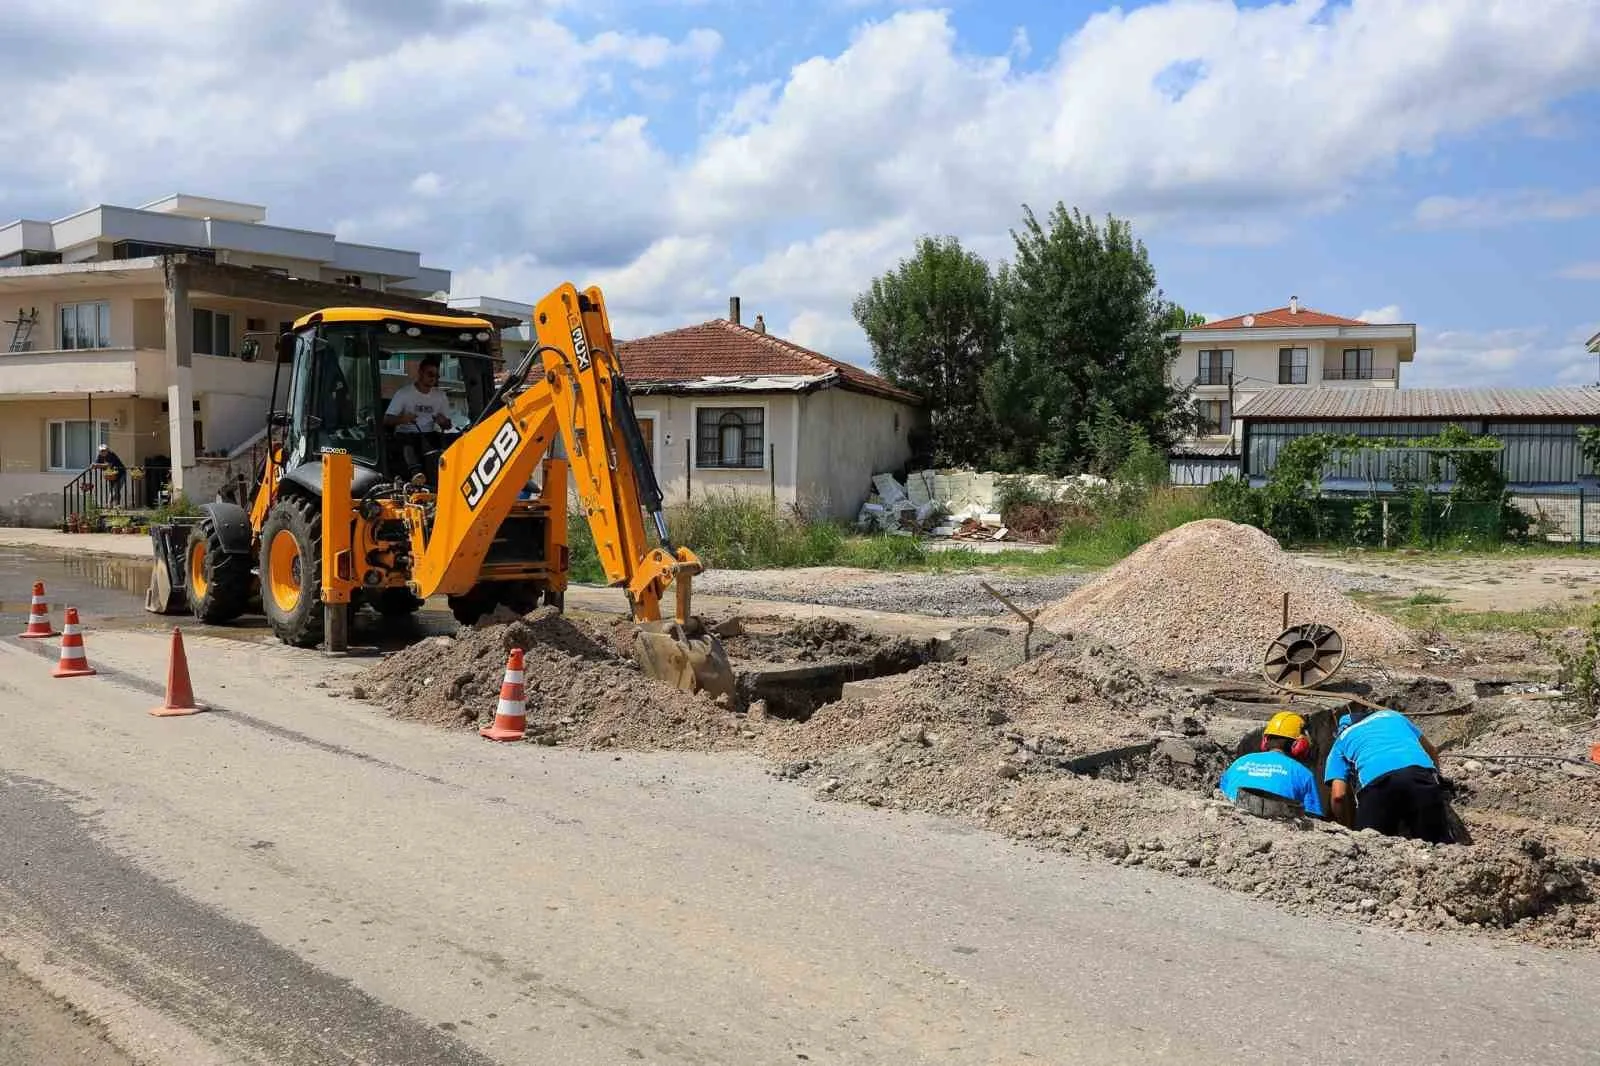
(1209, 595)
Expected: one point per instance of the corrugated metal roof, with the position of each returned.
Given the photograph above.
(1347, 403)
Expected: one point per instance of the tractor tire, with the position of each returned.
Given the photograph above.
(291, 570)
(216, 583)
(396, 603)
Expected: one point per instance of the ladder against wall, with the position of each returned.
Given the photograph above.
(22, 331)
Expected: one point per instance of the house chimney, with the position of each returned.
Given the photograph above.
(761, 324)
(733, 310)
(1294, 305)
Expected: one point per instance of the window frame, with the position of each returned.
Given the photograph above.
(1286, 370)
(1203, 374)
(211, 332)
(1344, 364)
(1224, 423)
(766, 434)
(102, 437)
(102, 326)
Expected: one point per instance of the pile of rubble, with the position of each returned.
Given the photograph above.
(960, 504)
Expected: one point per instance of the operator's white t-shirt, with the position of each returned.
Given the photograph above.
(423, 405)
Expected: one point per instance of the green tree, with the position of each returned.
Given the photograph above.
(934, 329)
(1085, 327)
(1181, 319)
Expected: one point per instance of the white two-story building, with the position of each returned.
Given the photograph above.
(125, 326)
(1228, 361)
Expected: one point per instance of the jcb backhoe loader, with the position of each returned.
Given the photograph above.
(342, 516)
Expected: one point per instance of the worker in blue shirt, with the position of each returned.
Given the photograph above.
(1273, 782)
(1398, 790)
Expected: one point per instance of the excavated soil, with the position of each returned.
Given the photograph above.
(1011, 746)
(1209, 595)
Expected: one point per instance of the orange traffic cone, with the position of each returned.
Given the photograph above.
(74, 660)
(39, 615)
(180, 693)
(511, 717)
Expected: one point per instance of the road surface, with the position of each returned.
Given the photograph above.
(292, 877)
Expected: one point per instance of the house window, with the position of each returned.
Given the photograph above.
(86, 325)
(1216, 366)
(213, 332)
(1292, 363)
(730, 437)
(74, 442)
(1216, 418)
(1357, 365)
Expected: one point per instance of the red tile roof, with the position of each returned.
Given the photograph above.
(1279, 317)
(719, 349)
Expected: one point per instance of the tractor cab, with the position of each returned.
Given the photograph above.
(345, 367)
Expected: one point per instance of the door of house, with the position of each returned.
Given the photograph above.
(647, 430)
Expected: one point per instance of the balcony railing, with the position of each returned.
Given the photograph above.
(139, 488)
(1336, 373)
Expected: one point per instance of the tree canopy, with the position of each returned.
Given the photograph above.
(934, 329)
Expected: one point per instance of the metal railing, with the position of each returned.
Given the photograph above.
(139, 488)
(1336, 373)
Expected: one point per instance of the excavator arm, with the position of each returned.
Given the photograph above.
(570, 388)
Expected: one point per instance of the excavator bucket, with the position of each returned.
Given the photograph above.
(168, 592)
(687, 657)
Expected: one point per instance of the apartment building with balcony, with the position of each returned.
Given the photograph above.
(1231, 360)
(128, 326)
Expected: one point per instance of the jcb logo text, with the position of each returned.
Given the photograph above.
(490, 463)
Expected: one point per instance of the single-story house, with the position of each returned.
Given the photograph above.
(729, 406)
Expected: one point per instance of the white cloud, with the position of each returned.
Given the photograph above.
(518, 151)
(1589, 271)
(1502, 209)
(1382, 315)
(1506, 357)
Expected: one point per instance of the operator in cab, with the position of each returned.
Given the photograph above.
(1273, 782)
(1398, 789)
(417, 414)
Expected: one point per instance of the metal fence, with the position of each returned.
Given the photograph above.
(1561, 516)
(1424, 520)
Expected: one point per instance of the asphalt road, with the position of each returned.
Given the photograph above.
(294, 878)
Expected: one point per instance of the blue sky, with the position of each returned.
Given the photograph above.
(1431, 160)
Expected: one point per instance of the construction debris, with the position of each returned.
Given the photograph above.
(960, 504)
(1209, 594)
(1093, 745)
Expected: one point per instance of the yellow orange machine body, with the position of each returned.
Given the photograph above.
(349, 508)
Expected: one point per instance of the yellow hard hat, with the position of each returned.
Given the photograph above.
(1285, 724)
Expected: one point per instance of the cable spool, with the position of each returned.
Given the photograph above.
(1303, 656)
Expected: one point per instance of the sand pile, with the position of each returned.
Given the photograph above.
(1209, 594)
(581, 690)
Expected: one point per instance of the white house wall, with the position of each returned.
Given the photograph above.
(675, 427)
(845, 438)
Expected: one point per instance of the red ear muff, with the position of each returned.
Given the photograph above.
(1301, 747)
(1263, 742)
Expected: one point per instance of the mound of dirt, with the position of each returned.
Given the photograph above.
(581, 690)
(1209, 594)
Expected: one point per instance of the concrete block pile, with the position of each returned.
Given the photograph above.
(958, 503)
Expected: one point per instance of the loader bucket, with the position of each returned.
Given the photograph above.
(168, 593)
(689, 657)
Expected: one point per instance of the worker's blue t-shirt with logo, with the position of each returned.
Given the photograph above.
(1382, 742)
(1276, 773)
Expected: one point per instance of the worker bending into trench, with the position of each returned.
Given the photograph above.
(1398, 788)
(1273, 782)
